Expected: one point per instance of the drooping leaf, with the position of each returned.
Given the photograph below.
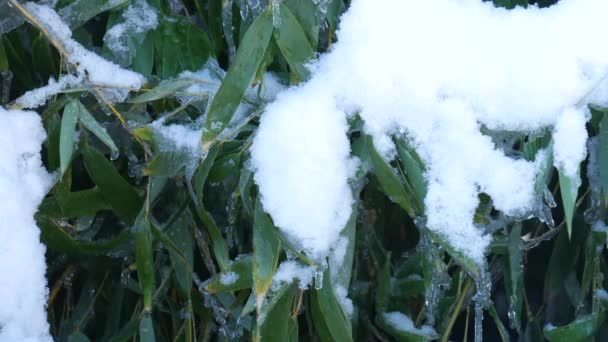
(569, 185)
(273, 321)
(146, 329)
(405, 333)
(144, 257)
(388, 179)
(117, 192)
(330, 318)
(237, 276)
(603, 154)
(579, 330)
(514, 276)
(80, 11)
(68, 132)
(239, 77)
(266, 248)
(293, 43)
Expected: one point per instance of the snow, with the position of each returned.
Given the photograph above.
(177, 136)
(89, 66)
(23, 180)
(601, 294)
(434, 71)
(139, 17)
(37, 97)
(228, 278)
(570, 136)
(290, 271)
(342, 297)
(401, 322)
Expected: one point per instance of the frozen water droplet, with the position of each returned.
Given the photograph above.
(114, 155)
(276, 13)
(319, 279)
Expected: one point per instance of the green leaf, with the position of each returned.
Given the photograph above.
(167, 164)
(179, 45)
(146, 329)
(414, 170)
(163, 90)
(603, 154)
(80, 11)
(274, 318)
(266, 249)
(77, 204)
(390, 182)
(330, 318)
(220, 249)
(3, 57)
(237, 276)
(58, 240)
(44, 57)
(78, 337)
(580, 330)
(334, 11)
(383, 290)
(68, 131)
(239, 77)
(510, 4)
(127, 332)
(569, 189)
(405, 335)
(343, 274)
(181, 237)
(118, 193)
(144, 258)
(514, 276)
(307, 14)
(88, 121)
(504, 333)
(293, 43)
(202, 172)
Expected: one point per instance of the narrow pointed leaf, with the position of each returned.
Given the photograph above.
(144, 257)
(266, 248)
(569, 189)
(239, 77)
(274, 319)
(88, 121)
(331, 316)
(68, 130)
(390, 182)
(118, 193)
(293, 43)
(580, 330)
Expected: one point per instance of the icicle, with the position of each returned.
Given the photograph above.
(319, 278)
(482, 299)
(276, 13)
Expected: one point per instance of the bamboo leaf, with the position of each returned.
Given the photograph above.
(266, 248)
(68, 132)
(239, 77)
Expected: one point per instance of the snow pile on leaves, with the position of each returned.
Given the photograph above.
(23, 184)
(90, 67)
(434, 71)
(139, 18)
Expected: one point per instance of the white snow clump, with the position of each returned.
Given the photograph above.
(435, 71)
(90, 67)
(23, 184)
